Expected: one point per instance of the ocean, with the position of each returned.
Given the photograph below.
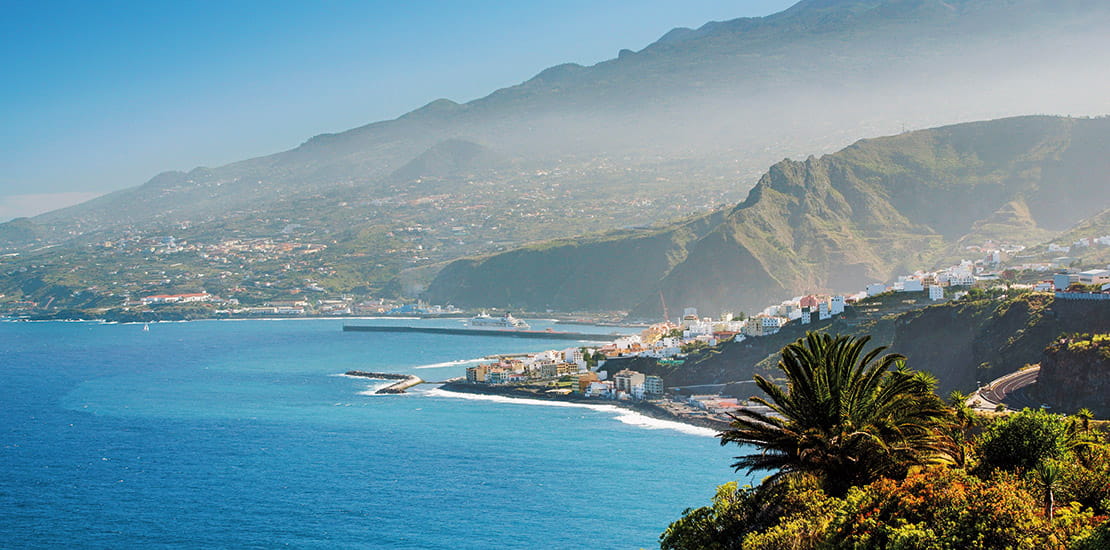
(245, 434)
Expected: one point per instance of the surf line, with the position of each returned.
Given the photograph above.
(403, 381)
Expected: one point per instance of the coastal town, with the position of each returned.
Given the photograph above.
(586, 373)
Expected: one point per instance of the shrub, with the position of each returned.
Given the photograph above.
(1022, 440)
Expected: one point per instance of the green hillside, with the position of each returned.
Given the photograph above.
(875, 209)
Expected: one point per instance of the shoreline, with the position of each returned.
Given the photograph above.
(645, 408)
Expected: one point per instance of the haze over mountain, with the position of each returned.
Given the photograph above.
(679, 127)
(879, 208)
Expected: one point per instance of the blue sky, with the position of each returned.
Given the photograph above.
(100, 96)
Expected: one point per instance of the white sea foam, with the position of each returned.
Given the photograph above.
(372, 390)
(452, 363)
(623, 415)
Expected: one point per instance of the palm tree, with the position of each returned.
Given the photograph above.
(1085, 417)
(964, 419)
(1048, 477)
(1081, 443)
(844, 416)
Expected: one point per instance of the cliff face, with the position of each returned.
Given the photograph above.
(1075, 373)
(961, 342)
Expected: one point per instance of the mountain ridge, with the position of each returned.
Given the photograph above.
(680, 127)
(875, 209)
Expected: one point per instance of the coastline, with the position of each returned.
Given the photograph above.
(645, 408)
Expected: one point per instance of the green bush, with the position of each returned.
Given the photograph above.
(1022, 440)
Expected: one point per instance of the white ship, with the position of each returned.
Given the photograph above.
(484, 320)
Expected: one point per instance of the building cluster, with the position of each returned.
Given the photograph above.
(573, 366)
(1085, 242)
(1096, 284)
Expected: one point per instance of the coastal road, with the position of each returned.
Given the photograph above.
(1009, 389)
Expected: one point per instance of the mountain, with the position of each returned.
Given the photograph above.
(875, 209)
(677, 128)
(572, 274)
(446, 158)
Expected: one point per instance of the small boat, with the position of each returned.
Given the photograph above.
(146, 327)
(484, 320)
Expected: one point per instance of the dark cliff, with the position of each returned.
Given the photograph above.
(1075, 374)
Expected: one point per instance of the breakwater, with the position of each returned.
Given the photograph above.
(535, 334)
(404, 381)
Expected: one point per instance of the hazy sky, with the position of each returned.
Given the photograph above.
(100, 96)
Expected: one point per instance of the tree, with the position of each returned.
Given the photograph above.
(1021, 441)
(965, 419)
(1048, 478)
(845, 416)
(1085, 417)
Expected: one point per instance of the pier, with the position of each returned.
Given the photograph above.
(403, 381)
(534, 334)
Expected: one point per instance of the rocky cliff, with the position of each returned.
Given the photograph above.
(1075, 373)
(961, 342)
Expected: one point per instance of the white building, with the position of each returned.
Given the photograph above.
(1094, 277)
(836, 305)
(875, 289)
(653, 385)
(911, 285)
(936, 292)
(626, 380)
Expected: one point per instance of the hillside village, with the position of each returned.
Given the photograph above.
(582, 371)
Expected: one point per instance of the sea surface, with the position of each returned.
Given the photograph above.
(245, 434)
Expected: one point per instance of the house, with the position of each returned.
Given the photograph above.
(1094, 277)
(823, 311)
(874, 289)
(626, 379)
(177, 298)
(1061, 281)
(599, 389)
(836, 305)
(911, 285)
(936, 292)
(771, 325)
(585, 379)
(477, 374)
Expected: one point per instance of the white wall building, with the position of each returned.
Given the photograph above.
(936, 292)
(875, 289)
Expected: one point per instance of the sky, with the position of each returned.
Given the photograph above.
(101, 96)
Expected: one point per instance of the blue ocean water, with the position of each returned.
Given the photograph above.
(242, 434)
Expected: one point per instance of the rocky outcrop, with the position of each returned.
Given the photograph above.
(1075, 373)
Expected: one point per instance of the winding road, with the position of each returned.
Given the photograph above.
(1009, 389)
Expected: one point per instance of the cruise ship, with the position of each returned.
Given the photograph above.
(484, 320)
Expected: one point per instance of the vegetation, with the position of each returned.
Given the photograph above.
(1029, 480)
(845, 416)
